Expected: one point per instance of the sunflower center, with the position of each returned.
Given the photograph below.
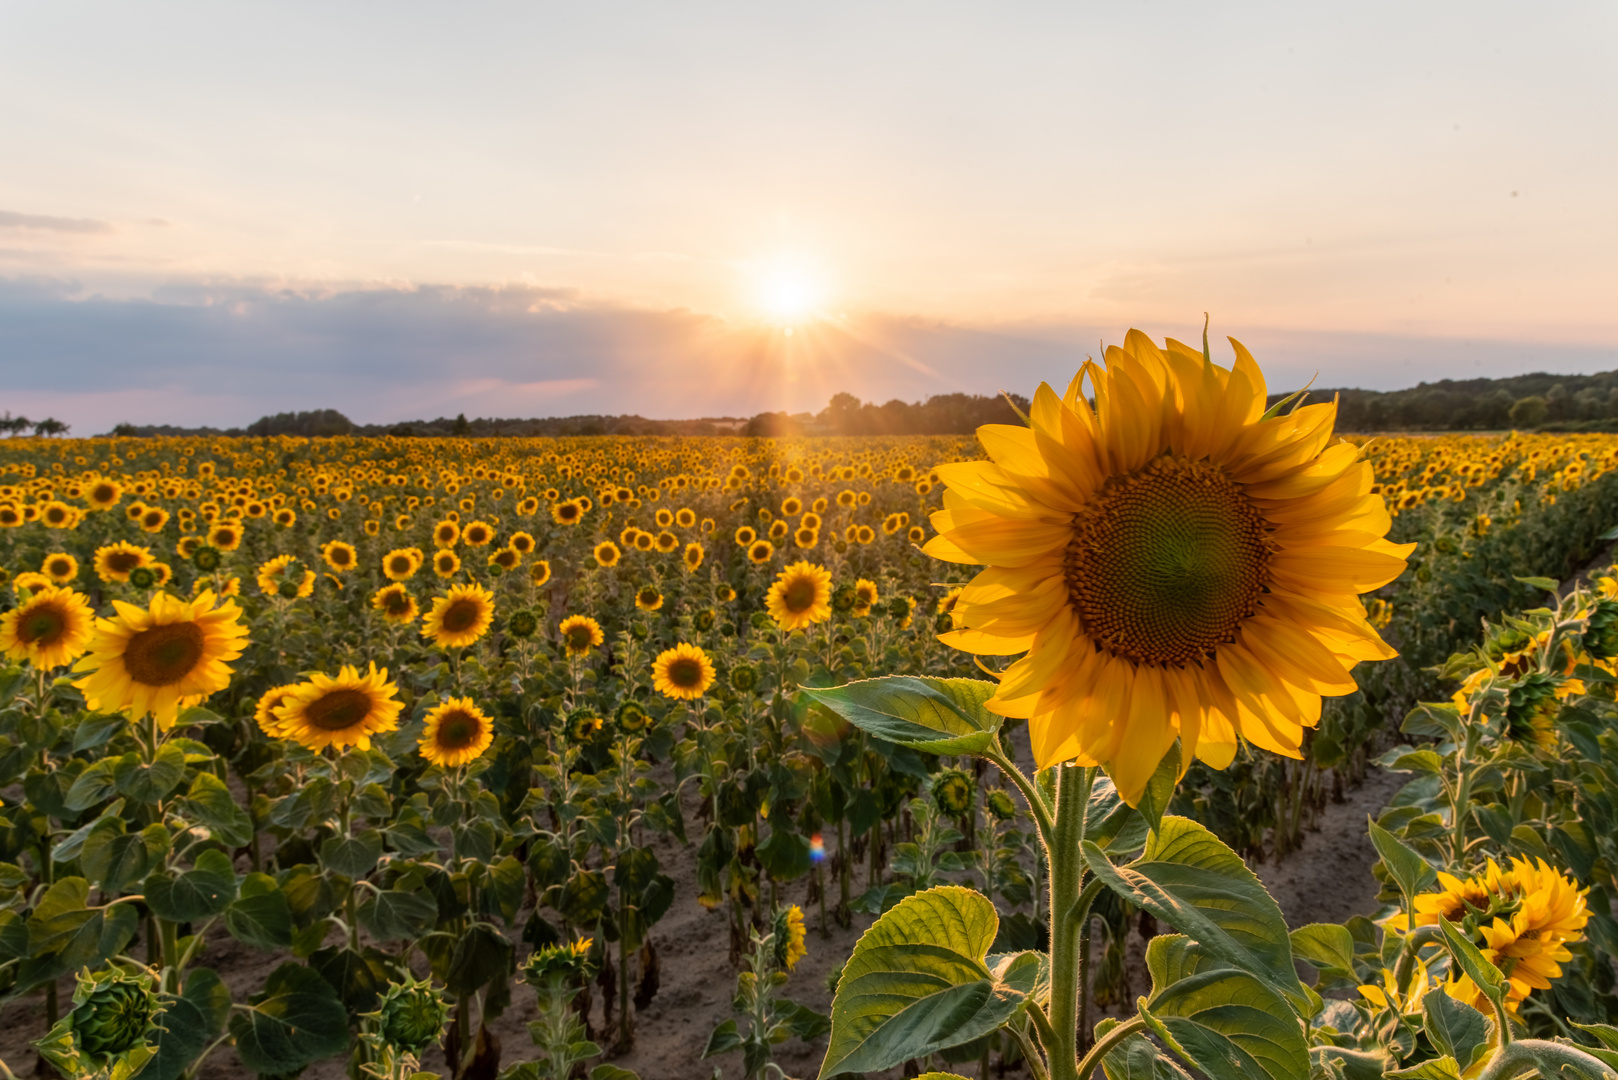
(685, 673)
(1167, 562)
(42, 626)
(458, 730)
(338, 709)
(460, 616)
(122, 562)
(398, 603)
(164, 654)
(799, 595)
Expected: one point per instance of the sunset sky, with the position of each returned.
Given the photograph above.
(209, 212)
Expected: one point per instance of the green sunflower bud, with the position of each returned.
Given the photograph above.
(142, 577)
(844, 599)
(1000, 805)
(1601, 635)
(206, 558)
(111, 1022)
(582, 726)
(522, 624)
(412, 1016)
(952, 793)
(704, 619)
(632, 718)
(562, 963)
(743, 677)
(640, 631)
(760, 620)
(898, 608)
(287, 590)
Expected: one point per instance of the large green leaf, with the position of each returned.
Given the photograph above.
(1488, 978)
(204, 890)
(352, 856)
(210, 802)
(1455, 1028)
(187, 1024)
(1328, 946)
(147, 783)
(1188, 878)
(299, 1019)
(1222, 1022)
(918, 982)
(1409, 869)
(64, 935)
(395, 915)
(939, 716)
(262, 917)
(1137, 1059)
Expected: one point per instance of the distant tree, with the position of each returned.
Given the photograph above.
(15, 425)
(462, 427)
(1529, 411)
(50, 426)
(317, 423)
(126, 430)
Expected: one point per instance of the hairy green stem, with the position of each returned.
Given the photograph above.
(1067, 880)
(1523, 1055)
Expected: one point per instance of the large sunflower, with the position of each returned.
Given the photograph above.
(460, 617)
(800, 596)
(345, 711)
(457, 732)
(114, 561)
(1175, 562)
(51, 628)
(168, 657)
(683, 672)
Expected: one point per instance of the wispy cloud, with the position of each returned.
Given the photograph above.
(10, 219)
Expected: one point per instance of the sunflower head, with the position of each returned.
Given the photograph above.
(412, 1016)
(340, 711)
(1601, 632)
(607, 554)
(582, 726)
(787, 935)
(580, 634)
(206, 558)
(460, 617)
(61, 568)
(395, 604)
(952, 793)
(684, 672)
(800, 596)
(116, 560)
(632, 717)
(457, 732)
(703, 620)
(268, 702)
(1000, 805)
(743, 678)
(647, 598)
(51, 628)
(522, 624)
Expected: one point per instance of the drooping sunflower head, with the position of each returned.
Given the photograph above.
(51, 628)
(684, 672)
(459, 617)
(800, 596)
(647, 598)
(342, 711)
(1176, 562)
(788, 933)
(457, 733)
(114, 561)
(169, 656)
(580, 634)
(395, 604)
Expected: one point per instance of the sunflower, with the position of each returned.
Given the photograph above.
(539, 573)
(159, 660)
(745, 535)
(477, 533)
(607, 553)
(805, 537)
(580, 634)
(865, 596)
(800, 597)
(1176, 563)
(567, 513)
(725, 594)
(761, 551)
(460, 617)
(683, 672)
(116, 560)
(693, 556)
(279, 576)
(286, 517)
(457, 732)
(60, 568)
(153, 518)
(339, 555)
(345, 711)
(226, 536)
(446, 563)
(445, 534)
(789, 934)
(685, 518)
(59, 515)
(103, 494)
(268, 702)
(647, 598)
(51, 628)
(31, 581)
(396, 604)
(401, 564)
(522, 543)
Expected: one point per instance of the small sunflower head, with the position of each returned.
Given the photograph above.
(582, 726)
(899, 608)
(143, 577)
(704, 619)
(559, 964)
(1000, 805)
(844, 599)
(1531, 707)
(632, 717)
(522, 624)
(787, 934)
(412, 1016)
(743, 678)
(110, 1023)
(1601, 634)
(952, 793)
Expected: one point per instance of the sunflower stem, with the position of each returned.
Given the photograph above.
(1066, 862)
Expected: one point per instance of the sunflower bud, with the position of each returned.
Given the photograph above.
(567, 962)
(110, 1022)
(632, 718)
(206, 558)
(952, 793)
(412, 1016)
(582, 726)
(743, 677)
(142, 577)
(899, 609)
(844, 599)
(704, 619)
(1601, 635)
(1000, 805)
(522, 624)
(287, 590)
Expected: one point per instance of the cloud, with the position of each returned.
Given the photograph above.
(225, 353)
(11, 220)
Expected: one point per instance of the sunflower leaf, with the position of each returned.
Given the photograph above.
(1408, 868)
(937, 716)
(1191, 880)
(918, 982)
(1488, 978)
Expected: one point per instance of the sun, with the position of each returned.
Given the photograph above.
(789, 291)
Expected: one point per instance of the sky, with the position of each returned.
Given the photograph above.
(211, 212)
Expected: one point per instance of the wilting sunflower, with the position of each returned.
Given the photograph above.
(800, 596)
(607, 553)
(116, 560)
(539, 573)
(457, 732)
(1176, 563)
(401, 564)
(51, 628)
(275, 575)
(647, 598)
(268, 702)
(580, 634)
(396, 604)
(345, 711)
(459, 617)
(693, 556)
(60, 568)
(159, 660)
(339, 555)
(683, 672)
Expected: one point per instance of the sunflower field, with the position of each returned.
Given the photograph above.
(413, 719)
